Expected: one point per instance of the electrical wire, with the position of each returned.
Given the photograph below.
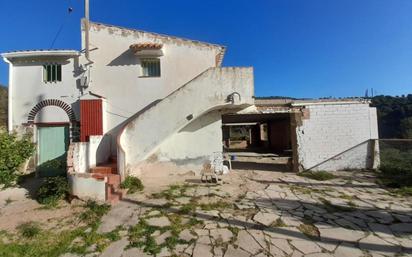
(69, 11)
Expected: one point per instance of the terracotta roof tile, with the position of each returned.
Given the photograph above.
(143, 46)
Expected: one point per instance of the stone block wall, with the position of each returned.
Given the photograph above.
(336, 136)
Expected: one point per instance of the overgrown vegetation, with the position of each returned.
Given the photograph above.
(142, 234)
(132, 184)
(52, 190)
(3, 106)
(29, 229)
(174, 191)
(278, 223)
(14, 151)
(317, 175)
(309, 230)
(394, 116)
(94, 212)
(396, 169)
(32, 241)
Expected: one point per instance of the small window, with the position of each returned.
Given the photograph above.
(52, 73)
(151, 67)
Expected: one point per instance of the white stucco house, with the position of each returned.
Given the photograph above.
(131, 97)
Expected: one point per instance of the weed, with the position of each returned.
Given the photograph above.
(36, 242)
(309, 230)
(187, 208)
(140, 236)
(29, 229)
(94, 212)
(219, 205)
(346, 197)
(132, 184)
(174, 191)
(52, 190)
(278, 223)
(335, 208)
(317, 175)
(403, 191)
(8, 201)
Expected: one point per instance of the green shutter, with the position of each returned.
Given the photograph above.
(49, 73)
(59, 72)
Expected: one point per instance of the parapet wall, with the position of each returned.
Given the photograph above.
(336, 136)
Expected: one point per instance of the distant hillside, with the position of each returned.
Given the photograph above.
(3, 106)
(394, 116)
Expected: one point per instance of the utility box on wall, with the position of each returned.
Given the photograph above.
(91, 118)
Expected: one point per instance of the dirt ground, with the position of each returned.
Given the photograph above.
(17, 206)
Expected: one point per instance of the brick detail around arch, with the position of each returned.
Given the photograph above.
(51, 102)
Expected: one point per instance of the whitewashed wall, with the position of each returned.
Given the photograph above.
(194, 143)
(29, 89)
(334, 136)
(116, 71)
(143, 135)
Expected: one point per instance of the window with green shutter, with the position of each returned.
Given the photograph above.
(52, 73)
(150, 67)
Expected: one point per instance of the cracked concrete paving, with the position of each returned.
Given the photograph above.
(260, 213)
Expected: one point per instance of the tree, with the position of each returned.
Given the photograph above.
(406, 128)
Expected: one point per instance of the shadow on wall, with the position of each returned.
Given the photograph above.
(114, 132)
(104, 150)
(202, 121)
(126, 58)
(350, 158)
(54, 167)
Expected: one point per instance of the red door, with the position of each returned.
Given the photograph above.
(91, 119)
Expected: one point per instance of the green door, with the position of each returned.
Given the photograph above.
(53, 143)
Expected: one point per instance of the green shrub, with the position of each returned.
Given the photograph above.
(317, 175)
(29, 229)
(14, 151)
(396, 168)
(133, 184)
(52, 190)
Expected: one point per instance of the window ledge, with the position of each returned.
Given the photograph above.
(149, 76)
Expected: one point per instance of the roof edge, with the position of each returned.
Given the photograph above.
(40, 53)
(221, 47)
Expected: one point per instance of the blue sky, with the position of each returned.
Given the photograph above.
(298, 48)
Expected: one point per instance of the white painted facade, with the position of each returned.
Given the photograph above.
(115, 76)
(27, 87)
(116, 71)
(175, 117)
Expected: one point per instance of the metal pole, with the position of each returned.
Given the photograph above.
(86, 27)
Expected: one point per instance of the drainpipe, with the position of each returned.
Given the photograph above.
(10, 96)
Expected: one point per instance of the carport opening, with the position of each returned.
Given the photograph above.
(258, 141)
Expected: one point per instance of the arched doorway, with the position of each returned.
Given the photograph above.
(53, 135)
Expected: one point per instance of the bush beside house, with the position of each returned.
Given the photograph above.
(3, 106)
(14, 151)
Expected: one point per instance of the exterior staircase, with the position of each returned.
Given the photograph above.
(108, 172)
(215, 89)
